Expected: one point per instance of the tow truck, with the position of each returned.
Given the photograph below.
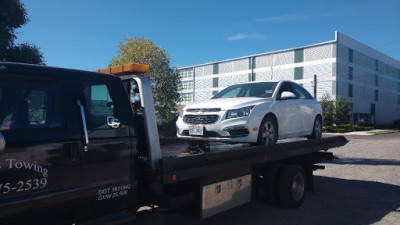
(79, 146)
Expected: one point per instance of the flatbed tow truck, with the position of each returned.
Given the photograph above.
(88, 152)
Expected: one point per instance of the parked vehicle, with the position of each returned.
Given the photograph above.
(257, 112)
(73, 149)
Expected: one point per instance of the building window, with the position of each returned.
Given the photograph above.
(187, 97)
(398, 87)
(188, 85)
(298, 73)
(398, 99)
(376, 95)
(215, 68)
(376, 65)
(299, 55)
(350, 73)
(215, 82)
(186, 74)
(376, 80)
(214, 93)
(252, 76)
(350, 90)
(350, 55)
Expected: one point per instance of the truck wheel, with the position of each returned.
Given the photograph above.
(291, 187)
(317, 129)
(268, 132)
(268, 187)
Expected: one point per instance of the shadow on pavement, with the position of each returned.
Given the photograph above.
(335, 201)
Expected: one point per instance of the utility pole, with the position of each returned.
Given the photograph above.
(315, 86)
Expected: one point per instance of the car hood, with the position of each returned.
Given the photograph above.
(227, 103)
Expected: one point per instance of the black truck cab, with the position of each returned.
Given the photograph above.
(66, 136)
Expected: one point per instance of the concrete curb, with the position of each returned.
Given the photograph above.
(366, 133)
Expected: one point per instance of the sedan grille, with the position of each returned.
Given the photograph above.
(200, 119)
(204, 110)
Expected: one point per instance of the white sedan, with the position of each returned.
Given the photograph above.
(257, 112)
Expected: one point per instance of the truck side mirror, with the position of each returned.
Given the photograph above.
(2, 143)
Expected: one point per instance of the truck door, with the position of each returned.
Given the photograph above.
(106, 162)
(39, 167)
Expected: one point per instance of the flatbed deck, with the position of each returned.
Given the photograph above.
(224, 158)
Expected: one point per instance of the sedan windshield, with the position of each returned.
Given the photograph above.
(259, 90)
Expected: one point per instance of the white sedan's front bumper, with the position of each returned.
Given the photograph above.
(243, 129)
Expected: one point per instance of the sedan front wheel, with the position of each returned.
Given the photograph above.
(268, 132)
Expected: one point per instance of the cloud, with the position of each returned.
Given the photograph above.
(285, 18)
(242, 36)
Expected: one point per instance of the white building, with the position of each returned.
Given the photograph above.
(368, 79)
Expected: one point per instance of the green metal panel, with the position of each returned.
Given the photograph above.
(350, 73)
(215, 68)
(298, 73)
(350, 55)
(299, 55)
(215, 82)
(350, 90)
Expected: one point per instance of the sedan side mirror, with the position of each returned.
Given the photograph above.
(286, 95)
(2, 143)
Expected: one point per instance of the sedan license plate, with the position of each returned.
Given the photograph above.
(196, 130)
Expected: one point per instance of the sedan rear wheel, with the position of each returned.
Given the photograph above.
(317, 129)
(268, 133)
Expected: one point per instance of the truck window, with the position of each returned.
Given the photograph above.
(27, 103)
(99, 105)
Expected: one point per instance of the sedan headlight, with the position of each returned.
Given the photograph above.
(236, 113)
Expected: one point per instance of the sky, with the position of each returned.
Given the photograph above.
(85, 34)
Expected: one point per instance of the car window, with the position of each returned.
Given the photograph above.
(99, 105)
(300, 92)
(259, 90)
(29, 103)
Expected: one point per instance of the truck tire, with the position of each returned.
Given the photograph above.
(268, 188)
(291, 187)
(268, 132)
(317, 129)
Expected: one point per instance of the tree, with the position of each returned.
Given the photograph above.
(13, 16)
(164, 79)
(328, 110)
(342, 111)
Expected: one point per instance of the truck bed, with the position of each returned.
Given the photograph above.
(180, 163)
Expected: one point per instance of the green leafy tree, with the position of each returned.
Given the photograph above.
(328, 110)
(13, 16)
(164, 79)
(342, 111)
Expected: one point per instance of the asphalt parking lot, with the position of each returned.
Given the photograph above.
(362, 186)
